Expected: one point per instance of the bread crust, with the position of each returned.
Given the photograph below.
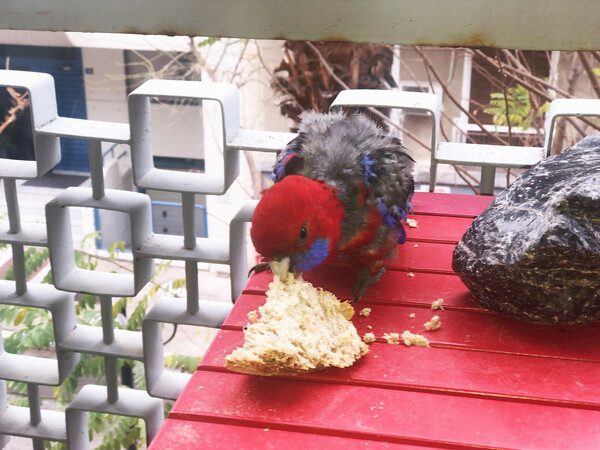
(299, 329)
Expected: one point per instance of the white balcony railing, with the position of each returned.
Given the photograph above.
(435, 22)
(72, 339)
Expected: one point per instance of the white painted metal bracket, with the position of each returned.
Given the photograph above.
(567, 107)
(42, 99)
(145, 174)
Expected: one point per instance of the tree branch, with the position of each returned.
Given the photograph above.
(374, 111)
(590, 72)
(454, 100)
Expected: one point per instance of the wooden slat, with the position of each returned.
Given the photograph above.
(487, 380)
(428, 257)
(432, 228)
(191, 434)
(394, 287)
(450, 205)
(394, 415)
(465, 372)
(465, 329)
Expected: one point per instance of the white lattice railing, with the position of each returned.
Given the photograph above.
(73, 339)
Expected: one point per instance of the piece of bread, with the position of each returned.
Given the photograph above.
(299, 329)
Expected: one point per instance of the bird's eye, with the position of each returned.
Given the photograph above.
(303, 233)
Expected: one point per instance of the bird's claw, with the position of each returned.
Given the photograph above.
(365, 280)
(258, 268)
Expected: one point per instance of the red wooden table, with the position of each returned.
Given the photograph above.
(486, 381)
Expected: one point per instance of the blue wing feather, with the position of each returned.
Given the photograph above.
(289, 161)
(392, 213)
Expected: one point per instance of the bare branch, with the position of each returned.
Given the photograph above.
(454, 100)
(374, 111)
(21, 103)
(590, 72)
(504, 92)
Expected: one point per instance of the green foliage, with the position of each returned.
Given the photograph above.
(34, 330)
(138, 314)
(34, 258)
(208, 41)
(38, 336)
(520, 111)
(139, 377)
(117, 431)
(187, 363)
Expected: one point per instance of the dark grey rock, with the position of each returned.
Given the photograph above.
(534, 253)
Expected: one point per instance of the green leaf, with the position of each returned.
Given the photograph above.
(20, 317)
(115, 248)
(139, 378)
(208, 41)
(17, 387)
(119, 305)
(87, 301)
(518, 104)
(39, 337)
(187, 363)
(8, 313)
(135, 320)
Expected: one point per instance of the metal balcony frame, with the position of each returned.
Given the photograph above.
(429, 22)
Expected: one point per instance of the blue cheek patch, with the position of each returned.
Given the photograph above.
(311, 258)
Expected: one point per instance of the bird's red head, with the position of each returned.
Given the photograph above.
(293, 214)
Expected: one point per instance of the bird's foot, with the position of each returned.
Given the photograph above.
(365, 280)
(258, 268)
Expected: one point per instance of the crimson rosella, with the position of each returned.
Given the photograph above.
(342, 188)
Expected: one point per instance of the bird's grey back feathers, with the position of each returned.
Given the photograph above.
(347, 151)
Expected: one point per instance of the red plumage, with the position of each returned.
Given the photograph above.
(288, 206)
(341, 190)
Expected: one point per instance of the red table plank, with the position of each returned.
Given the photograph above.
(474, 373)
(436, 229)
(487, 380)
(377, 413)
(466, 329)
(187, 434)
(395, 286)
(450, 204)
(428, 257)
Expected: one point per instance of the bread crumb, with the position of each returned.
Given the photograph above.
(369, 327)
(412, 315)
(410, 274)
(253, 316)
(437, 304)
(392, 338)
(365, 312)
(414, 339)
(434, 323)
(416, 245)
(368, 338)
(412, 223)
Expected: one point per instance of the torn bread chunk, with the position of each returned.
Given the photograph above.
(369, 338)
(437, 304)
(392, 338)
(412, 223)
(433, 324)
(414, 339)
(301, 328)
